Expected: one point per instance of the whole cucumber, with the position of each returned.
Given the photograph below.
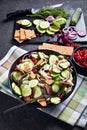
(76, 16)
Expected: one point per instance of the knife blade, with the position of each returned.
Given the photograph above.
(18, 13)
(51, 6)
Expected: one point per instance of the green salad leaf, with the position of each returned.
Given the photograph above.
(45, 12)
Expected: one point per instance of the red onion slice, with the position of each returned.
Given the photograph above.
(81, 33)
(72, 35)
(50, 19)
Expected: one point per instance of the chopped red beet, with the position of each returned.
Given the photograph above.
(37, 35)
(20, 61)
(53, 35)
(50, 71)
(35, 71)
(48, 39)
(40, 34)
(56, 62)
(15, 69)
(81, 57)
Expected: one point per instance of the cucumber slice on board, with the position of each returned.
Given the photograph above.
(37, 22)
(54, 28)
(53, 59)
(26, 90)
(49, 32)
(25, 22)
(55, 100)
(16, 89)
(40, 30)
(28, 25)
(44, 24)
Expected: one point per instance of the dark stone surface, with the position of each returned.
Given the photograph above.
(24, 118)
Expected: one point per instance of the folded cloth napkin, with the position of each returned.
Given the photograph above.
(73, 110)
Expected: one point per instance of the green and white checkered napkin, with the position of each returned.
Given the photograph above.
(73, 110)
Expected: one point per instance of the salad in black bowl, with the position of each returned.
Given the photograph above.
(43, 77)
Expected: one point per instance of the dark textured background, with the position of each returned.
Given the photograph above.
(27, 118)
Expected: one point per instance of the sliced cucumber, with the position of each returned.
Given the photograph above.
(26, 90)
(46, 67)
(16, 75)
(64, 65)
(70, 77)
(54, 28)
(49, 32)
(56, 69)
(41, 55)
(29, 65)
(65, 74)
(34, 55)
(25, 81)
(55, 75)
(60, 57)
(40, 30)
(16, 89)
(55, 88)
(36, 22)
(37, 92)
(44, 24)
(55, 100)
(28, 25)
(59, 22)
(25, 22)
(33, 83)
(53, 59)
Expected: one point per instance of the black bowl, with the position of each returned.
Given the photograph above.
(48, 52)
(79, 67)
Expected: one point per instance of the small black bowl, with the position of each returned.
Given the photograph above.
(79, 67)
(48, 52)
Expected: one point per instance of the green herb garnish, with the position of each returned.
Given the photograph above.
(45, 12)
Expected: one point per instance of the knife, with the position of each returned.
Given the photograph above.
(18, 13)
(19, 106)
